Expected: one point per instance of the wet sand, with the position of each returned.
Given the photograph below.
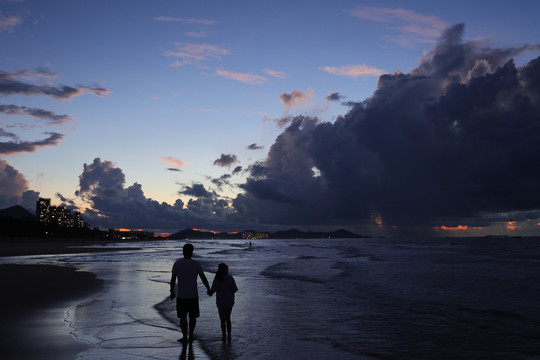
(49, 248)
(33, 304)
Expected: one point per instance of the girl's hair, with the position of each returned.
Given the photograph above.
(222, 270)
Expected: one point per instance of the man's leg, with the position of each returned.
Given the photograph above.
(192, 323)
(183, 326)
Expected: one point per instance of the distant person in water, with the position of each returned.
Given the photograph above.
(224, 286)
(187, 299)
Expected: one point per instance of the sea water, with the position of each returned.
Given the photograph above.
(321, 299)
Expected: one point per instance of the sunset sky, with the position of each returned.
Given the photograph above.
(380, 117)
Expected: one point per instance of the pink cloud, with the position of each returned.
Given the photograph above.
(297, 98)
(9, 23)
(193, 53)
(414, 27)
(354, 71)
(173, 161)
(243, 77)
(275, 73)
(199, 34)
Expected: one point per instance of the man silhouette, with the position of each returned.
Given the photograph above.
(187, 301)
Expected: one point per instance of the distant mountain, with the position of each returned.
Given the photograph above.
(288, 234)
(16, 212)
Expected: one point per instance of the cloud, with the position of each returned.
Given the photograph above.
(174, 161)
(194, 53)
(174, 169)
(275, 73)
(237, 170)
(334, 97)
(226, 160)
(413, 27)
(450, 143)
(4, 133)
(198, 191)
(17, 146)
(8, 23)
(45, 72)
(14, 188)
(199, 34)
(110, 204)
(222, 180)
(297, 98)
(353, 71)
(186, 20)
(9, 85)
(243, 77)
(49, 116)
(254, 146)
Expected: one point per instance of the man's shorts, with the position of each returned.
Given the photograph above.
(187, 306)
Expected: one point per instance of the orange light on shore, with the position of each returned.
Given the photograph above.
(163, 234)
(511, 225)
(205, 230)
(455, 228)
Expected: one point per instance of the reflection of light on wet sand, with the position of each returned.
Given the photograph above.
(121, 322)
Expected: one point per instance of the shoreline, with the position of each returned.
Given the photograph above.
(8, 249)
(34, 303)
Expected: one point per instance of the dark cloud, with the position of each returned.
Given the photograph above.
(112, 205)
(4, 133)
(334, 97)
(49, 116)
(17, 146)
(254, 146)
(67, 203)
(237, 170)
(14, 188)
(222, 180)
(454, 140)
(226, 160)
(9, 85)
(280, 122)
(174, 169)
(197, 190)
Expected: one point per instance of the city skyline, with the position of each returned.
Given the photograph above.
(417, 119)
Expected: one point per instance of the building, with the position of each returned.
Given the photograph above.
(58, 216)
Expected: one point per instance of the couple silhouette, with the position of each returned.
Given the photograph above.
(187, 270)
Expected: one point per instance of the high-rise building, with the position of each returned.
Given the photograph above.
(58, 215)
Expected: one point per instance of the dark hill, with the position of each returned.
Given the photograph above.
(16, 212)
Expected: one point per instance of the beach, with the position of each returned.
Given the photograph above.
(56, 247)
(311, 299)
(35, 299)
(34, 302)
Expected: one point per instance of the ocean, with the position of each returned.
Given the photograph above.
(375, 298)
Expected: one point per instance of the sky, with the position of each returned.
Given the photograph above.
(384, 118)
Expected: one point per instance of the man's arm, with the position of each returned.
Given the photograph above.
(204, 281)
(173, 283)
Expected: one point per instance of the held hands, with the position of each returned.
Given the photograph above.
(173, 295)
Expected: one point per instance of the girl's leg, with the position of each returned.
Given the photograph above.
(223, 330)
(229, 326)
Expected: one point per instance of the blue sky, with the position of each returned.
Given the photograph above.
(161, 90)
